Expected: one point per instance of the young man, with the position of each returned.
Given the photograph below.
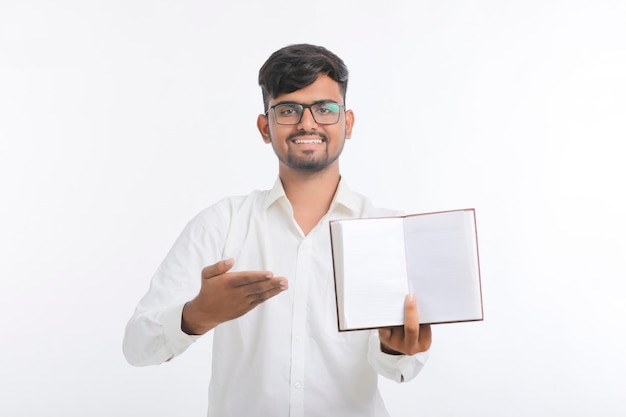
(257, 270)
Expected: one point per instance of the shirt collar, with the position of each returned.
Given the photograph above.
(276, 193)
(344, 196)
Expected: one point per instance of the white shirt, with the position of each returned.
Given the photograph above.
(286, 356)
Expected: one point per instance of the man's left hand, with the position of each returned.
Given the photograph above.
(409, 339)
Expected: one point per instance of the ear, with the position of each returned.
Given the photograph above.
(349, 123)
(264, 128)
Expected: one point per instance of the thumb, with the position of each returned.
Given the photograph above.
(218, 268)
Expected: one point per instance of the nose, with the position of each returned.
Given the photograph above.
(307, 121)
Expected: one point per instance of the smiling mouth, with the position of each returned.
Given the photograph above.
(307, 141)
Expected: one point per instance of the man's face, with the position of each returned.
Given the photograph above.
(308, 145)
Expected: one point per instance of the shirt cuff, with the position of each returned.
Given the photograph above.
(171, 320)
(399, 368)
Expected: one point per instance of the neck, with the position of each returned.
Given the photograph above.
(310, 194)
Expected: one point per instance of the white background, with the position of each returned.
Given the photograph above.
(120, 120)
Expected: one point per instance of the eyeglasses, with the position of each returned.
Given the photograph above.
(325, 113)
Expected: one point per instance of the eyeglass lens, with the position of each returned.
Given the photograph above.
(323, 113)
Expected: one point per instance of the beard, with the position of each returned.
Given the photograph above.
(311, 164)
(310, 161)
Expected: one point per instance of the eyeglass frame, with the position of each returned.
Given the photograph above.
(304, 107)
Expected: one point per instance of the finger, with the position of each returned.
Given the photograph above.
(218, 268)
(259, 287)
(384, 334)
(260, 297)
(411, 316)
(426, 336)
(243, 278)
(411, 336)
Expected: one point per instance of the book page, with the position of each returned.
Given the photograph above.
(370, 272)
(442, 260)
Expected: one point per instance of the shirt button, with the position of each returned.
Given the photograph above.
(297, 385)
(298, 338)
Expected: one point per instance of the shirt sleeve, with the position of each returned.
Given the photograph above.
(154, 337)
(399, 368)
(153, 334)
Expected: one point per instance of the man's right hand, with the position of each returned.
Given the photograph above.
(227, 295)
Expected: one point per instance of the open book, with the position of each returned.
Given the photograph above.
(378, 261)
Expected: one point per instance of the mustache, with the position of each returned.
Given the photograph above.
(304, 133)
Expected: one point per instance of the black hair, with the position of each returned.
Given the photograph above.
(296, 66)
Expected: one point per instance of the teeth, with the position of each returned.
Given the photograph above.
(308, 141)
